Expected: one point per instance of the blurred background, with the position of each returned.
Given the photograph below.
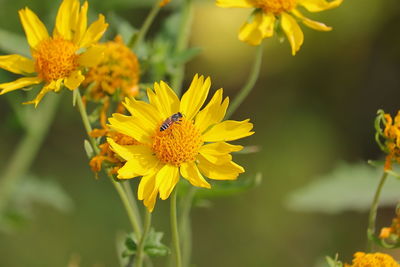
(311, 112)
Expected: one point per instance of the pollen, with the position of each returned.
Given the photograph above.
(275, 6)
(118, 70)
(178, 144)
(55, 58)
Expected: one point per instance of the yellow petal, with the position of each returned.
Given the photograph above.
(218, 153)
(35, 30)
(319, 26)
(213, 113)
(228, 131)
(147, 115)
(47, 88)
(195, 96)
(66, 19)
(74, 80)
(17, 64)
(81, 24)
(292, 31)
(128, 171)
(267, 25)
(190, 172)
(94, 32)
(166, 179)
(140, 158)
(129, 126)
(92, 56)
(234, 3)
(148, 191)
(227, 171)
(18, 84)
(319, 5)
(164, 99)
(250, 31)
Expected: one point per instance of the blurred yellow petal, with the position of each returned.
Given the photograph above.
(292, 31)
(81, 24)
(190, 172)
(319, 26)
(129, 126)
(94, 32)
(34, 28)
(267, 25)
(228, 130)
(195, 96)
(166, 179)
(164, 99)
(140, 158)
(66, 19)
(319, 5)
(234, 3)
(250, 32)
(213, 113)
(227, 171)
(47, 88)
(92, 56)
(17, 64)
(74, 80)
(18, 84)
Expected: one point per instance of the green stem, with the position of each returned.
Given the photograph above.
(251, 81)
(142, 241)
(374, 209)
(182, 43)
(174, 230)
(37, 128)
(132, 200)
(137, 39)
(184, 222)
(121, 192)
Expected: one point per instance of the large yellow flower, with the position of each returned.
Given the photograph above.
(269, 13)
(362, 259)
(59, 59)
(193, 146)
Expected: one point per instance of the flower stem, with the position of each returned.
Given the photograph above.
(132, 200)
(251, 81)
(142, 241)
(184, 222)
(374, 209)
(182, 43)
(133, 218)
(21, 160)
(174, 230)
(136, 39)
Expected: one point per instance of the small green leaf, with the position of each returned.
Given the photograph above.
(334, 262)
(130, 246)
(88, 148)
(153, 246)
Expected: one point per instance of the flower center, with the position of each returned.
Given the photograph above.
(275, 6)
(55, 58)
(179, 143)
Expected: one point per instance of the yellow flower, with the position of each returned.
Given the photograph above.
(59, 59)
(392, 135)
(269, 13)
(118, 69)
(362, 259)
(192, 146)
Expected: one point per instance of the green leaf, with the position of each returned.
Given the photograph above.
(187, 55)
(153, 246)
(333, 262)
(13, 43)
(130, 246)
(347, 187)
(88, 149)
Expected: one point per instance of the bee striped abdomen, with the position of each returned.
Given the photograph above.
(171, 120)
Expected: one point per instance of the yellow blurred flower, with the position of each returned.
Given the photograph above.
(392, 136)
(285, 13)
(164, 2)
(392, 232)
(362, 259)
(177, 138)
(59, 59)
(118, 70)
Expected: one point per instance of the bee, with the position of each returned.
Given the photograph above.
(177, 117)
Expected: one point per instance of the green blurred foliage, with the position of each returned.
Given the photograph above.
(310, 111)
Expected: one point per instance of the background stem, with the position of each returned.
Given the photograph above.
(185, 225)
(142, 241)
(38, 125)
(374, 209)
(249, 85)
